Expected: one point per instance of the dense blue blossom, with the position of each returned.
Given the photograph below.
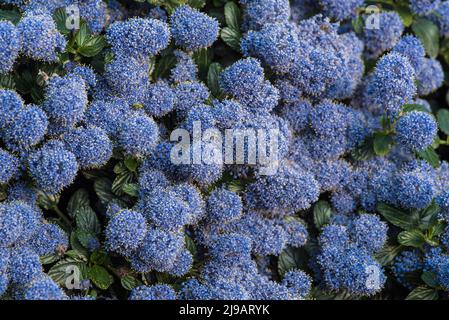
(430, 77)
(240, 78)
(156, 292)
(192, 289)
(192, 196)
(49, 239)
(137, 36)
(160, 249)
(10, 106)
(296, 232)
(10, 45)
(27, 130)
(125, 232)
(405, 263)
(257, 13)
(66, 100)
(416, 130)
(297, 114)
(182, 264)
(24, 266)
(424, 7)
(440, 17)
(138, 135)
(86, 73)
(53, 167)
(43, 289)
(391, 85)
(188, 95)
(40, 38)
(412, 48)
(160, 99)
(379, 40)
(185, 69)
(340, 10)
(369, 232)
(437, 262)
(223, 206)
(298, 284)
(91, 146)
(192, 29)
(9, 167)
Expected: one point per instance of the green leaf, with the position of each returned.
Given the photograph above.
(413, 238)
(213, 79)
(60, 18)
(77, 246)
(203, 58)
(77, 201)
(85, 238)
(430, 156)
(49, 258)
(428, 217)
(322, 213)
(291, 258)
(405, 13)
(198, 4)
(232, 38)
(395, 216)
(99, 257)
(120, 181)
(82, 35)
(66, 268)
(430, 279)
(429, 34)
(129, 282)
(100, 277)
(414, 107)
(382, 143)
(131, 164)
(423, 293)
(232, 15)
(191, 246)
(92, 47)
(358, 24)
(443, 120)
(102, 188)
(387, 254)
(131, 189)
(87, 220)
(365, 151)
(10, 15)
(7, 81)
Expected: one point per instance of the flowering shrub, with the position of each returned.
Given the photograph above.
(225, 149)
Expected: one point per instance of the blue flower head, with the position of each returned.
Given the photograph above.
(138, 36)
(377, 41)
(91, 146)
(150, 179)
(185, 69)
(223, 206)
(85, 72)
(430, 77)
(296, 232)
(298, 284)
(94, 12)
(9, 168)
(297, 114)
(192, 196)
(369, 232)
(340, 10)
(182, 264)
(43, 288)
(343, 202)
(66, 100)
(52, 167)
(158, 13)
(276, 45)
(404, 264)
(192, 29)
(40, 38)
(27, 130)
(125, 232)
(334, 235)
(155, 292)
(391, 85)
(240, 79)
(138, 135)
(440, 17)
(416, 130)
(188, 95)
(10, 45)
(10, 106)
(20, 191)
(165, 209)
(192, 289)
(230, 249)
(160, 99)
(49, 239)
(437, 262)
(412, 48)
(257, 13)
(424, 7)
(24, 266)
(108, 116)
(160, 249)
